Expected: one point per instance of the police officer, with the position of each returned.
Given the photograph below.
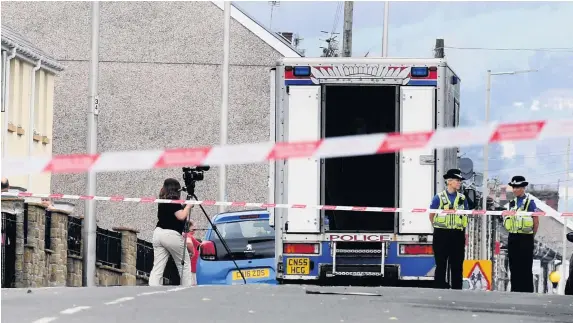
(522, 230)
(449, 231)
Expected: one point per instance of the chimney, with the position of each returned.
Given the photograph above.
(287, 35)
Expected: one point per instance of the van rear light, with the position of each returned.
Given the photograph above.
(207, 250)
(416, 249)
(300, 248)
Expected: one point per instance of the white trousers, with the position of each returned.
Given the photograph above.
(165, 243)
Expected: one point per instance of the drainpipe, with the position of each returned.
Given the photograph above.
(32, 112)
(6, 96)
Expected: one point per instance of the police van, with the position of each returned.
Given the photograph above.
(314, 98)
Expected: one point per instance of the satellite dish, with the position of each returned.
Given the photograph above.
(466, 165)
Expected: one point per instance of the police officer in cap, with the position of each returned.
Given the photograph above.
(522, 230)
(449, 231)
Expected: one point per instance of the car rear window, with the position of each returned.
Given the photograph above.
(247, 239)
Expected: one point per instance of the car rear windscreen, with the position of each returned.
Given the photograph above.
(251, 239)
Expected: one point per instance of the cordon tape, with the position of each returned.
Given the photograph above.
(346, 146)
(119, 198)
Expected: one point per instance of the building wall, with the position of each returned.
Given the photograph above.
(18, 133)
(159, 87)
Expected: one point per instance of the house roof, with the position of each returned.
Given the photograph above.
(27, 51)
(276, 41)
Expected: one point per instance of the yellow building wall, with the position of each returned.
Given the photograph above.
(19, 132)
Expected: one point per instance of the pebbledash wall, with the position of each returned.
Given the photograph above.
(34, 265)
(159, 87)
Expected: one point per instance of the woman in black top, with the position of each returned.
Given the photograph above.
(167, 236)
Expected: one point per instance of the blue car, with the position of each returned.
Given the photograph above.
(252, 244)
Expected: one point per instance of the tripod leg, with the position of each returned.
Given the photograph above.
(185, 231)
(221, 239)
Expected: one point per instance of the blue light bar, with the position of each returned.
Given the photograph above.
(301, 71)
(419, 72)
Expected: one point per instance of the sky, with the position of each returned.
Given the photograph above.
(413, 28)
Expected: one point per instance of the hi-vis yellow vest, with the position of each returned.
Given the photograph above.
(519, 223)
(451, 221)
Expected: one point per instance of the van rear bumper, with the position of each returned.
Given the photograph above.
(396, 267)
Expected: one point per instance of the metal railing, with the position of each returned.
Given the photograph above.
(74, 236)
(48, 230)
(8, 250)
(145, 264)
(108, 247)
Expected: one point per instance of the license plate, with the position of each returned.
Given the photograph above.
(251, 273)
(298, 266)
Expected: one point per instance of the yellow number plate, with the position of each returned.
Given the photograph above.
(251, 273)
(298, 266)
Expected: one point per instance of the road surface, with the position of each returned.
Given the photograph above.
(263, 303)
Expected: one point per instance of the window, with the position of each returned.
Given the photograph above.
(246, 229)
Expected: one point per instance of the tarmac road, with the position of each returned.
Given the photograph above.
(265, 303)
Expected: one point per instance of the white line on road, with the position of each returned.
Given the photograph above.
(119, 300)
(152, 293)
(177, 289)
(74, 309)
(45, 320)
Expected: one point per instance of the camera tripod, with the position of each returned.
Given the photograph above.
(191, 193)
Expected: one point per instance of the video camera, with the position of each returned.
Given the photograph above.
(191, 175)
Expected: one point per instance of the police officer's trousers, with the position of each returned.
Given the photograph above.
(520, 254)
(449, 248)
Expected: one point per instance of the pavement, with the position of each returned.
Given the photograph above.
(266, 303)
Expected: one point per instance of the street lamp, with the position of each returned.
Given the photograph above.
(484, 219)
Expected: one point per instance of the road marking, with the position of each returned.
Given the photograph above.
(45, 320)
(152, 293)
(119, 300)
(177, 289)
(74, 309)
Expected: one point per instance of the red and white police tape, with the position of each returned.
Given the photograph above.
(263, 152)
(119, 198)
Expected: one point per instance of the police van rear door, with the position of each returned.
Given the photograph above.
(417, 109)
(300, 112)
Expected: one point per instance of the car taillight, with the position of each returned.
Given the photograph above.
(300, 248)
(207, 250)
(416, 249)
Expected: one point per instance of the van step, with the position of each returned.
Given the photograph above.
(390, 271)
(375, 251)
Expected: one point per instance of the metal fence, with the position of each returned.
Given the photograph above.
(25, 223)
(108, 247)
(145, 264)
(74, 236)
(48, 230)
(8, 249)
(144, 257)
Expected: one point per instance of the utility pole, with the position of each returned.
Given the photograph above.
(225, 100)
(385, 31)
(484, 219)
(565, 219)
(90, 225)
(439, 48)
(347, 35)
